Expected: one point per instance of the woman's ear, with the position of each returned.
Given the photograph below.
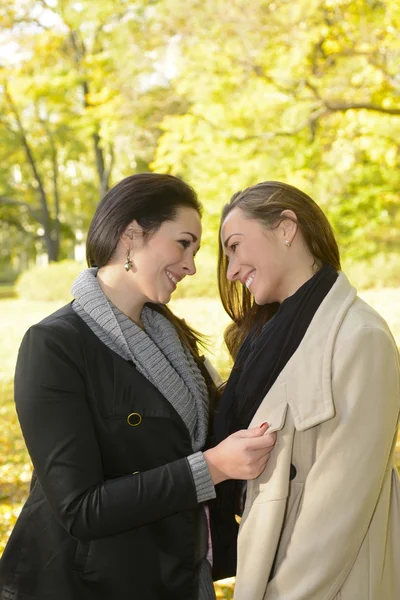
(131, 232)
(288, 226)
(131, 239)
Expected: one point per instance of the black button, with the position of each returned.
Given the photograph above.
(293, 471)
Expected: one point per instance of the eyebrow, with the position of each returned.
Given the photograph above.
(228, 238)
(191, 234)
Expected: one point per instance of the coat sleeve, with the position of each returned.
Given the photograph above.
(342, 489)
(50, 396)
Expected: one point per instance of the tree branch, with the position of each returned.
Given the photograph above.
(54, 161)
(45, 220)
(341, 106)
(107, 171)
(269, 135)
(14, 222)
(35, 213)
(29, 155)
(102, 173)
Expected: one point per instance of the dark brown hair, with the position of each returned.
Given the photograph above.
(150, 199)
(265, 202)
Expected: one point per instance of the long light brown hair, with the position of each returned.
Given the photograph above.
(265, 203)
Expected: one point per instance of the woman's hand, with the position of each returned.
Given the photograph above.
(242, 455)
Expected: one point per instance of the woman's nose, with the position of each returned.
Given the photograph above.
(232, 272)
(189, 266)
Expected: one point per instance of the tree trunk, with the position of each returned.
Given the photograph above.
(45, 220)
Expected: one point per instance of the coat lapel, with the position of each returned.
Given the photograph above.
(305, 382)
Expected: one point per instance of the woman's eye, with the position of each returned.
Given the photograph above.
(185, 243)
(234, 246)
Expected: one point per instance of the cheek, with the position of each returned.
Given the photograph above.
(154, 258)
(172, 258)
(248, 254)
(165, 252)
(269, 255)
(147, 269)
(272, 270)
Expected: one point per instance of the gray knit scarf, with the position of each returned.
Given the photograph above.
(156, 351)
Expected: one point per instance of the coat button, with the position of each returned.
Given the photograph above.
(293, 471)
(134, 419)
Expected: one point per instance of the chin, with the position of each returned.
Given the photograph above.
(163, 299)
(261, 300)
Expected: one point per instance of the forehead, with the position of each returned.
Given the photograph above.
(236, 222)
(186, 219)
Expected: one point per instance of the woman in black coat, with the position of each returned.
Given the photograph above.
(113, 398)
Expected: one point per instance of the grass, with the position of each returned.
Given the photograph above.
(204, 314)
(16, 317)
(7, 291)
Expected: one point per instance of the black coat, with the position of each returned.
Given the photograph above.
(113, 512)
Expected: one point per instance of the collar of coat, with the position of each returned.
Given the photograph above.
(305, 382)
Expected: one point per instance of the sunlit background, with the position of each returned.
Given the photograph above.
(223, 93)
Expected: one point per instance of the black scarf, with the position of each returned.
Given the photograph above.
(263, 355)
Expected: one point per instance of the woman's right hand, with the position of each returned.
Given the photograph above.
(242, 455)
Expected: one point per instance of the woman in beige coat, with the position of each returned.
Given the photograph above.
(322, 522)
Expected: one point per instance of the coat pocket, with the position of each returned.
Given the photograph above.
(122, 390)
(293, 509)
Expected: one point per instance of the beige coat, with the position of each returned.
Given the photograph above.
(333, 532)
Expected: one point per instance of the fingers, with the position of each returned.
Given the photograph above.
(270, 437)
(257, 461)
(262, 463)
(254, 431)
(257, 468)
(260, 455)
(266, 441)
(246, 452)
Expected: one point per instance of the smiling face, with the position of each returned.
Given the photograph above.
(164, 259)
(258, 257)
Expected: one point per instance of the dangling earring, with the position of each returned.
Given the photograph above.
(128, 263)
(288, 244)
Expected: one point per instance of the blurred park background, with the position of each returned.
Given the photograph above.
(223, 93)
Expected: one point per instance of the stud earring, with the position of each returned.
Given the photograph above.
(128, 263)
(288, 244)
